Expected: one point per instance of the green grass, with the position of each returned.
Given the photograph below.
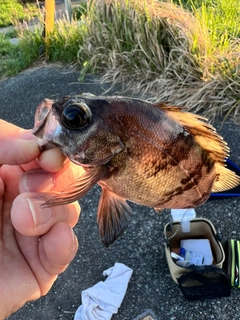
(186, 52)
(12, 11)
(64, 42)
(62, 46)
(15, 58)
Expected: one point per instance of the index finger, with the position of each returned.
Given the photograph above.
(17, 146)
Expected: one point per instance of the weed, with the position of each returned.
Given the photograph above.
(65, 40)
(163, 52)
(61, 46)
(129, 39)
(12, 11)
(158, 49)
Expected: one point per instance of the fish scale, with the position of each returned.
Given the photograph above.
(157, 155)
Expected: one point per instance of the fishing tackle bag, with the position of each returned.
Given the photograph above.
(197, 281)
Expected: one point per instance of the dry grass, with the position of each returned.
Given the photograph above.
(162, 52)
(127, 39)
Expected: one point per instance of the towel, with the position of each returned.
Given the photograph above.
(103, 299)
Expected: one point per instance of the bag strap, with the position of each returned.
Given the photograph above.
(208, 287)
(203, 269)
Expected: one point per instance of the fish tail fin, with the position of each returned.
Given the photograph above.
(225, 179)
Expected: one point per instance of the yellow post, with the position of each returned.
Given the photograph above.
(49, 18)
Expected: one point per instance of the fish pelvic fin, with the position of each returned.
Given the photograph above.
(113, 216)
(225, 179)
(78, 188)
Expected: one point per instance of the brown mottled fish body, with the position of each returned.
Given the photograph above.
(151, 154)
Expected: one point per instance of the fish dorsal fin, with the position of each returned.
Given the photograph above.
(78, 188)
(168, 107)
(209, 140)
(204, 133)
(114, 214)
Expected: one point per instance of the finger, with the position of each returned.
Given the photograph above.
(57, 248)
(10, 176)
(1, 188)
(17, 145)
(31, 219)
(51, 160)
(39, 180)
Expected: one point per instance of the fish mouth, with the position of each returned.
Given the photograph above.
(45, 125)
(42, 110)
(41, 116)
(44, 144)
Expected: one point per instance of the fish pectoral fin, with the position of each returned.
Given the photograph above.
(78, 188)
(114, 215)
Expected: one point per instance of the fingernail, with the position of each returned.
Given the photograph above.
(74, 241)
(40, 215)
(38, 180)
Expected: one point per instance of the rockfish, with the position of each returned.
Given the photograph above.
(153, 154)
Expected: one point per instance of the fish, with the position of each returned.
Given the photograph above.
(152, 154)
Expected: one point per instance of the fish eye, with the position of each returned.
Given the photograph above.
(76, 116)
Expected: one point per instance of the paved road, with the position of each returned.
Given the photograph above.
(142, 245)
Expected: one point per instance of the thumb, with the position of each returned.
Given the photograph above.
(18, 146)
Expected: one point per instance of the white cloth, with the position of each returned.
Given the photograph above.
(102, 300)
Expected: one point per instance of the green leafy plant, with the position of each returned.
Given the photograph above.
(64, 41)
(12, 11)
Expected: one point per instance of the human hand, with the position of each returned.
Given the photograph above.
(36, 244)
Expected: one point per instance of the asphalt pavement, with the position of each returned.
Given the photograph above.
(151, 292)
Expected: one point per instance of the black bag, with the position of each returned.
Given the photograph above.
(198, 282)
(205, 282)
